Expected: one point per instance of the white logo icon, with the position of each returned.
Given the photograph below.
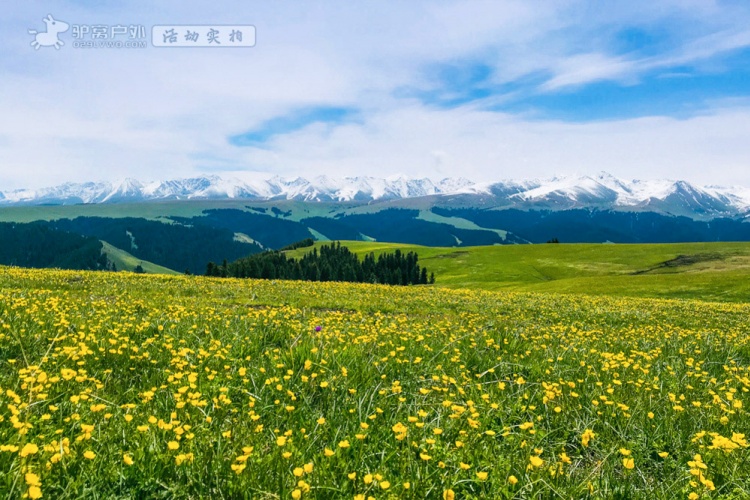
(49, 38)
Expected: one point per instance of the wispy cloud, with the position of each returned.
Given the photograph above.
(292, 122)
(580, 69)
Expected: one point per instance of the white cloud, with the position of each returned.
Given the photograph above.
(586, 68)
(491, 146)
(79, 114)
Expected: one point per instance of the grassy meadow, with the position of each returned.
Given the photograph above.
(127, 262)
(705, 271)
(115, 385)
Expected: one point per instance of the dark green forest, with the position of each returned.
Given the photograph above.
(272, 231)
(307, 242)
(38, 245)
(175, 246)
(598, 226)
(332, 263)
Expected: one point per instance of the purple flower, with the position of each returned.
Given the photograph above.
(318, 328)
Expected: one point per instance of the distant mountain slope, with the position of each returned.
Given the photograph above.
(189, 242)
(405, 226)
(124, 261)
(602, 191)
(175, 246)
(600, 226)
(271, 232)
(38, 245)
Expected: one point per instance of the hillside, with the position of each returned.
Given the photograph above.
(179, 247)
(38, 245)
(707, 271)
(177, 236)
(127, 262)
(465, 247)
(420, 221)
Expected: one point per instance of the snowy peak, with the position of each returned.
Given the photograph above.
(123, 190)
(605, 191)
(600, 191)
(577, 192)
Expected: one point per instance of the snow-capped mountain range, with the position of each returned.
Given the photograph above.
(602, 191)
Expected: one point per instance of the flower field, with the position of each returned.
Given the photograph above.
(132, 386)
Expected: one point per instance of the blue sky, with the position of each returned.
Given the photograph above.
(298, 119)
(487, 90)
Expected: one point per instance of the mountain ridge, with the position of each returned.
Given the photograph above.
(600, 191)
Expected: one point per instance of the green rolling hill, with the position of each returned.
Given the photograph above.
(707, 271)
(186, 235)
(127, 262)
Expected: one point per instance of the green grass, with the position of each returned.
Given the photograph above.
(318, 235)
(159, 210)
(127, 262)
(598, 269)
(116, 385)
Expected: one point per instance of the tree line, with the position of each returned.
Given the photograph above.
(331, 263)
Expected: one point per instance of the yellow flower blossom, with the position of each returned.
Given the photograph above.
(29, 449)
(587, 436)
